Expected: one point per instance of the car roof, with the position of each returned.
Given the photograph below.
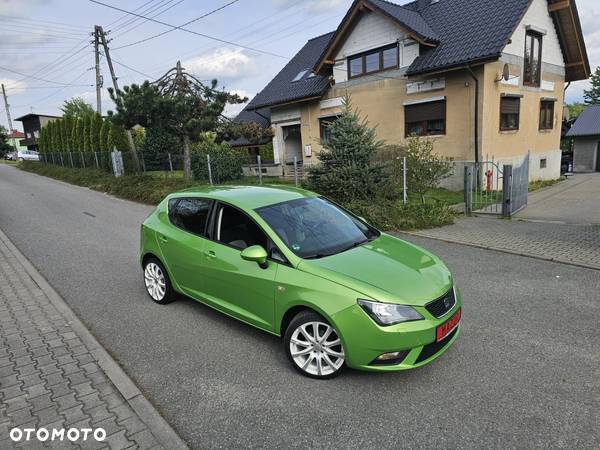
(247, 197)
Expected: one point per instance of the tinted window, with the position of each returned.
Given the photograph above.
(236, 229)
(190, 214)
(314, 227)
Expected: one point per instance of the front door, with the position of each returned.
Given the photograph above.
(182, 242)
(240, 288)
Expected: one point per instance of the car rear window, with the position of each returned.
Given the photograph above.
(190, 214)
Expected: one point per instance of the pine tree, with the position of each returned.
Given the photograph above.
(348, 171)
(592, 95)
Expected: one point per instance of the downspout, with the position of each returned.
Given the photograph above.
(476, 130)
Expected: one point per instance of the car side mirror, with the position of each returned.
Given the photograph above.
(257, 254)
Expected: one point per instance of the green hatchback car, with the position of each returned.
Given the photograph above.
(296, 265)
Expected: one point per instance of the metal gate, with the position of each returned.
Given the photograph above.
(494, 189)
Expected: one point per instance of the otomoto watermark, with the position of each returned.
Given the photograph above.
(57, 434)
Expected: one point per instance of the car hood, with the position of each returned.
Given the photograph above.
(386, 269)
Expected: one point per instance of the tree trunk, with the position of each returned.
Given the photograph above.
(187, 158)
(136, 161)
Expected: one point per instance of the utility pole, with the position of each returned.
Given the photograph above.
(7, 106)
(97, 30)
(102, 36)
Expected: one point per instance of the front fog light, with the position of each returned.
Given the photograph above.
(390, 358)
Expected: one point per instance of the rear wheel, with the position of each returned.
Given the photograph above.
(156, 280)
(314, 346)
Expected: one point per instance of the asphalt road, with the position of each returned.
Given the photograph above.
(524, 374)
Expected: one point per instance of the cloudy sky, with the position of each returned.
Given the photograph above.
(46, 55)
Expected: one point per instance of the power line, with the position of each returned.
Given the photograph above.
(190, 31)
(162, 4)
(22, 19)
(182, 25)
(35, 78)
(150, 77)
(56, 92)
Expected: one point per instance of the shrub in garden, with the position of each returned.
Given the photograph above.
(225, 162)
(157, 144)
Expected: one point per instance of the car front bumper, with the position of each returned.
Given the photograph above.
(364, 340)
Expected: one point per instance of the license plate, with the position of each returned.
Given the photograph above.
(447, 327)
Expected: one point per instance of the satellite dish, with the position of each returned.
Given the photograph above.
(505, 72)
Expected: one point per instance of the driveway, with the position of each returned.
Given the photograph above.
(524, 373)
(575, 201)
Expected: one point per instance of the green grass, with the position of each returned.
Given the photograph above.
(150, 188)
(9, 163)
(536, 185)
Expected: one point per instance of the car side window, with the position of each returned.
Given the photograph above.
(190, 214)
(236, 229)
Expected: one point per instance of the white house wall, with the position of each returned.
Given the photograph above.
(538, 17)
(371, 31)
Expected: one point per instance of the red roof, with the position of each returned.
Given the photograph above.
(16, 135)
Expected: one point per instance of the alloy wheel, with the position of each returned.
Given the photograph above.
(154, 279)
(317, 349)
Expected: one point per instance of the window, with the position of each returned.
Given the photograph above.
(190, 214)
(236, 229)
(425, 119)
(300, 75)
(509, 113)
(532, 70)
(546, 115)
(373, 61)
(543, 163)
(324, 124)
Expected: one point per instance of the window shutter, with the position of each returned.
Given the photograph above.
(425, 111)
(510, 105)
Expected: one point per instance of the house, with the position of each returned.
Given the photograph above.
(585, 133)
(482, 78)
(32, 125)
(14, 140)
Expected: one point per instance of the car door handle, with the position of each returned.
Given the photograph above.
(162, 238)
(210, 254)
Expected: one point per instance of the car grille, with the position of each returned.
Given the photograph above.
(431, 349)
(442, 305)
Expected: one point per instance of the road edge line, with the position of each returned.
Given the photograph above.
(158, 426)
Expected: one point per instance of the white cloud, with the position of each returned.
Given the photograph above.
(221, 63)
(19, 7)
(13, 86)
(314, 5)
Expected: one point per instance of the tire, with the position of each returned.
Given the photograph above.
(157, 282)
(322, 358)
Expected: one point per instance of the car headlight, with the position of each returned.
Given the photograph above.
(386, 314)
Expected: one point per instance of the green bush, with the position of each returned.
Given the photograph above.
(225, 162)
(393, 215)
(157, 144)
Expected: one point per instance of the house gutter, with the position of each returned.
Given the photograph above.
(476, 126)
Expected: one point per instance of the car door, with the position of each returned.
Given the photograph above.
(240, 288)
(182, 240)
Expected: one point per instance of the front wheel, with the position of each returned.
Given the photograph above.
(158, 285)
(314, 346)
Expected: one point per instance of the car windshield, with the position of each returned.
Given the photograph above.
(314, 227)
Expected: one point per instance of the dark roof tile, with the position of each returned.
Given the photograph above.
(587, 124)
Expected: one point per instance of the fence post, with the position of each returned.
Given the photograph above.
(71, 159)
(507, 190)
(52, 154)
(96, 159)
(170, 162)
(62, 161)
(259, 169)
(82, 159)
(210, 180)
(404, 183)
(143, 162)
(468, 189)
(296, 170)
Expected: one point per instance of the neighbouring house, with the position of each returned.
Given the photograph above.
(14, 140)
(32, 125)
(585, 134)
(485, 79)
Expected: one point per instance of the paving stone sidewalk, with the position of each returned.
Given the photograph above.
(566, 243)
(54, 374)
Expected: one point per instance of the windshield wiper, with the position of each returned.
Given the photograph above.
(323, 255)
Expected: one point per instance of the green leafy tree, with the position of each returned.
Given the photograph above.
(348, 170)
(73, 134)
(79, 134)
(425, 169)
(5, 146)
(575, 110)
(76, 108)
(178, 103)
(103, 136)
(87, 133)
(96, 125)
(64, 135)
(157, 144)
(592, 96)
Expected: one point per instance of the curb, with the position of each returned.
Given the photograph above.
(147, 413)
(502, 250)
